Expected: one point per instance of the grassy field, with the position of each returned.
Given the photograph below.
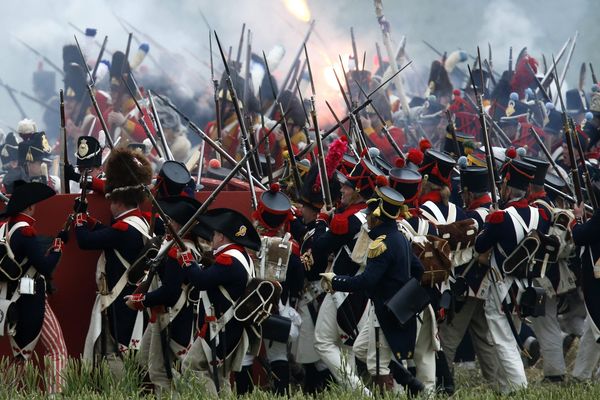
(84, 382)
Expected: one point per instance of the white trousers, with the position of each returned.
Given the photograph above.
(588, 355)
(511, 371)
(547, 330)
(425, 349)
(330, 348)
(365, 346)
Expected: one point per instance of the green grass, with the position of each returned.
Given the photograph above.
(82, 381)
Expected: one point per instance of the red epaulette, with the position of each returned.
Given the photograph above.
(173, 252)
(295, 248)
(28, 231)
(224, 259)
(147, 215)
(98, 185)
(121, 226)
(339, 224)
(496, 217)
(543, 214)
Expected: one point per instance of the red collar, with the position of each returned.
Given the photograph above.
(20, 217)
(136, 212)
(518, 204)
(434, 196)
(231, 246)
(485, 199)
(537, 195)
(354, 208)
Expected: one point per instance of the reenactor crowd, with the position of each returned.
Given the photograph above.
(416, 232)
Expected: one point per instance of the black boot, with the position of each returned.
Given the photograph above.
(445, 380)
(412, 385)
(243, 381)
(281, 380)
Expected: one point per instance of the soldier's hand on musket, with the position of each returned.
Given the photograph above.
(578, 211)
(135, 301)
(63, 235)
(184, 258)
(307, 260)
(326, 281)
(80, 207)
(70, 174)
(116, 118)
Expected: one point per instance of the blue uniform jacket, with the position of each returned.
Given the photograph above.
(30, 308)
(588, 235)
(228, 272)
(383, 276)
(125, 239)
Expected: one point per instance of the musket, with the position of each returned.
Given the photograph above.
(354, 47)
(594, 79)
(84, 103)
(565, 196)
(90, 89)
(267, 144)
(215, 90)
(568, 60)
(569, 140)
(43, 57)
(361, 140)
(141, 119)
(127, 50)
(489, 160)
(305, 127)
(236, 105)
(286, 133)
(510, 61)
(547, 79)
(238, 58)
(365, 103)
(385, 32)
(320, 152)
(345, 79)
(27, 96)
(166, 246)
(501, 135)
(384, 127)
(11, 93)
(490, 56)
(159, 128)
(211, 142)
(379, 57)
(586, 172)
(63, 153)
(82, 32)
(247, 90)
(306, 37)
(200, 165)
(538, 139)
(344, 130)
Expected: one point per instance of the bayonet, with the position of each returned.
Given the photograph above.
(320, 153)
(236, 105)
(354, 52)
(90, 89)
(286, 133)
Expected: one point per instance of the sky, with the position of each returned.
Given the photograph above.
(178, 25)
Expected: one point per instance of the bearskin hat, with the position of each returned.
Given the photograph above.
(439, 81)
(293, 108)
(126, 173)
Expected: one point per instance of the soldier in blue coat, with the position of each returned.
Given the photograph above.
(172, 314)
(390, 264)
(28, 294)
(502, 232)
(223, 283)
(587, 235)
(121, 242)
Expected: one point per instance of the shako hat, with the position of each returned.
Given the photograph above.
(89, 153)
(234, 225)
(25, 195)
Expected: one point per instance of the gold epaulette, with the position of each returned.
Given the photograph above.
(377, 247)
